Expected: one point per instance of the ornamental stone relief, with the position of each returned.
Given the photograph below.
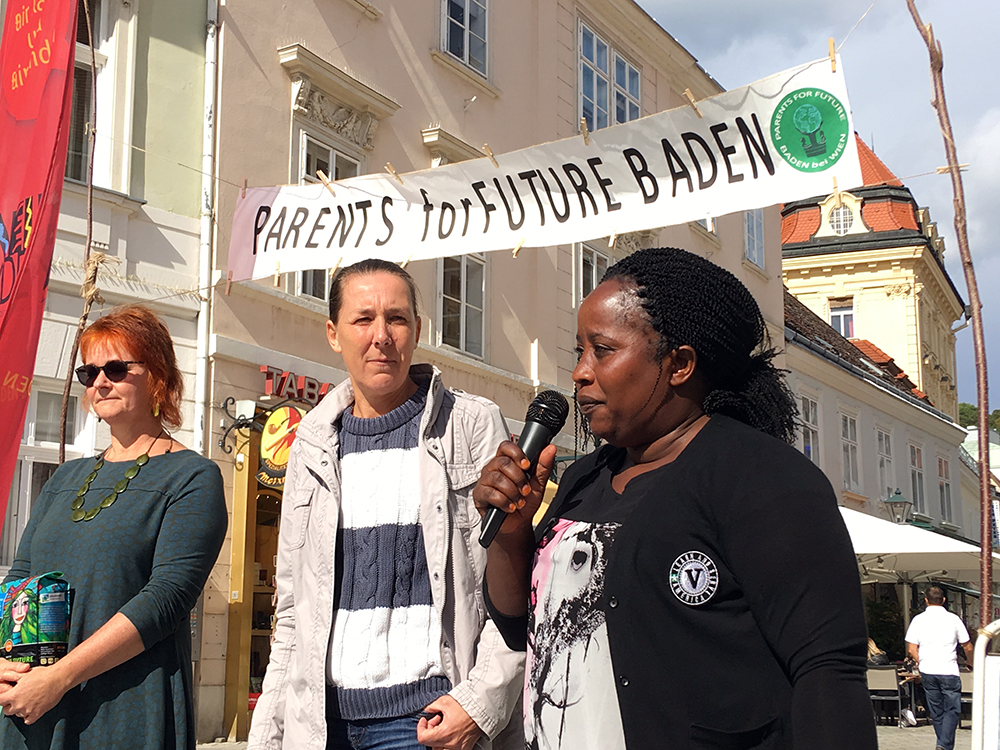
(309, 102)
(898, 290)
(631, 241)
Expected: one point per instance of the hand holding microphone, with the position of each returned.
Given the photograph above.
(503, 476)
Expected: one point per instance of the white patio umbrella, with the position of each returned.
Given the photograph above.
(900, 553)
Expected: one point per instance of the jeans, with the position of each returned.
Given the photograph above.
(943, 694)
(372, 734)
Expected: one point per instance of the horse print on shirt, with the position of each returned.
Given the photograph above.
(570, 700)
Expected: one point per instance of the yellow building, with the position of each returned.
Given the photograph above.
(870, 263)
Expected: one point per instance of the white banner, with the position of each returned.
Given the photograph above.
(781, 139)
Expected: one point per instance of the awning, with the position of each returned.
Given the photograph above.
(889, 552)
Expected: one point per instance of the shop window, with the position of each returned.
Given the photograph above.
(849, 444)
(464, 32)
(316, 156)
(753, 237)
(809, 414)
(609, 84)
(887, 481)
(917, 479)
(462, 282)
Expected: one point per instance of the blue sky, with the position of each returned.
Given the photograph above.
(888, 80)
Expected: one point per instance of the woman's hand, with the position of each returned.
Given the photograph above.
(34, 693)
(504, 484)
(451, 729)
(10, 673)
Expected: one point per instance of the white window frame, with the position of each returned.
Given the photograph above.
(917, 479)
(844, 309)
(446, 25)
(32, 452)
(303, 279)
(753, 237)
(841, 219)
(883, 449)
(850, 451)
(464, 305)
(614, 90)
(597, 257)
(810, 436)
(944, 489)
(708, 224)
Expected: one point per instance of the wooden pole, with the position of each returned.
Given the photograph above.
(978, 338)
(89, 282)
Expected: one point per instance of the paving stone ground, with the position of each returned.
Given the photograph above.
(919, 738)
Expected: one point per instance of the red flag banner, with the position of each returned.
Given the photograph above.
(36, 88)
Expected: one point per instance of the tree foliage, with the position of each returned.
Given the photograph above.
(968, 416)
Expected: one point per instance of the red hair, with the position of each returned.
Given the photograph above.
(138, 330)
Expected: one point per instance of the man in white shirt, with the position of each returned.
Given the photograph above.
(932, 640)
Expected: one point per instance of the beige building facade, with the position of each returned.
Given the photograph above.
(345, 86)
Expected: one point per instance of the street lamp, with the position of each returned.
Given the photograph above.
(899, 507)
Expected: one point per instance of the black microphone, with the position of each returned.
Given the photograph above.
(546, 416)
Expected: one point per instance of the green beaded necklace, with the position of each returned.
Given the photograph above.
(79, 514)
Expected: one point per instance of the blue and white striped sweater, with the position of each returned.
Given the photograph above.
(384, 654)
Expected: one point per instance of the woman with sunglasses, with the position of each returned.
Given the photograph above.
(135, 531)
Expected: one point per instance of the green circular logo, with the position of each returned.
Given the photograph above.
(809, 129)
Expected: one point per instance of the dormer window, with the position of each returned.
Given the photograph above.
(840, 216)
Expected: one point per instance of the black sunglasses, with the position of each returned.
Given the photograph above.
(115, 370)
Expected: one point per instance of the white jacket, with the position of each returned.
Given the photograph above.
(459, 433)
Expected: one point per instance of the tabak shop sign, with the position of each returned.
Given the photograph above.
(282, 423)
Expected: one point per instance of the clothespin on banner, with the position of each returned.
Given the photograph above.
(277, 272)
(243, 192)
(406, 262)
(836, 194)
(517, 248)
(229, 282)
(489, 152)
(389, 168)
(946, 170)
(333, 271)
(326, 181)
(585, 131)
(690, 97)
(833, 56)
(612, 240)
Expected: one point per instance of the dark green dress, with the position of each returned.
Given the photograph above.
(147, 556)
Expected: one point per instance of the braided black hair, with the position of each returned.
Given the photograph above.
(691, 301)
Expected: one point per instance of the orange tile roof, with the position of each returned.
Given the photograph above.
(871, 351)
(800, 225)
(873, 170)
(886, 216)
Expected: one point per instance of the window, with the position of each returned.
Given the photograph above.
(944, 488)
(842, 317)
(885, 478)
(37, 460)
(316, 156)
(810, 429)
(463, 293)
(82, 106)
(708, 224)
(841, 220)
(609, 84)
(753, 238)
(917, 479)
(465, 32)
(849, 443)
(594, 265)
